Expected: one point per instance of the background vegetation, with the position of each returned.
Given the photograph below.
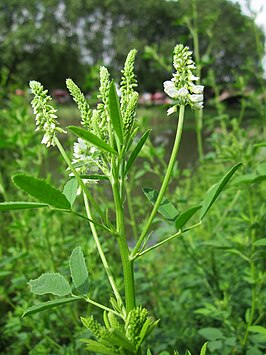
(207, 285)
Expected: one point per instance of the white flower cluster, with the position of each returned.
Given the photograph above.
(86, 157)
(45, 116)
(181, 87)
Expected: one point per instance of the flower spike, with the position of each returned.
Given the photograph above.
(181, 87)
(45, 114)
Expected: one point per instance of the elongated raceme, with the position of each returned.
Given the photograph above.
(81, 102)
(128, 80)
(130, 113)
(45, 116)
(181, 87)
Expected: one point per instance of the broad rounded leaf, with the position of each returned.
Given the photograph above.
(211, 333)
(53, 283)
(70, 190)
(42, 191)
(79, 272)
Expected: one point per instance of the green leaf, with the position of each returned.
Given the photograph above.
(136, 150)
(184, 217)
(8, 206)
(204, 349)
(53, 283)
(188, 352)
(79, 272)
(215, 191)
(115, 112)
(119, 339)
(260, 242)
(167, 209)
(70, 190)
(91, 138)
(49, 304)
(211, 333)
(257, 329)
(97, 347)
(94, 177)
(42, 191)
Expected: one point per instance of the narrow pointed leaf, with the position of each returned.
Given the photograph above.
(79, 272)
(91, 138)
(119, 339)
(53, 283)
(167, 209)
(49, 304)
(204, 349)
(215, 191)
(97, 347)
(94, 177)
(8, 206)
(42, 191)
(257, 329)
(70, 190)
(260, 242)
(184, 217)
(136, 150)
(115, 112)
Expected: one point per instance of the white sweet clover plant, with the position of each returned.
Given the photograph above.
(106, 149)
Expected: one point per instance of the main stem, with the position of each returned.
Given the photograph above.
(127, 264)
(198, 113)
(165, 181)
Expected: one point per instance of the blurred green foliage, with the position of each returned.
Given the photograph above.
(51, 40)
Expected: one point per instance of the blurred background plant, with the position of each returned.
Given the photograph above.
(218, 293)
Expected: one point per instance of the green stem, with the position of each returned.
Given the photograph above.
(129, 283)
(99, 305)
(100, 251)
(80, 181)
(198, 113)
(253, 274)
(165, 181)
(131, 211)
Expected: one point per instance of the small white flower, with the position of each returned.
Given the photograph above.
(182, 92)
(171, 110)
(170, 89)
(196, 98)
(197, 89)
(193, 77)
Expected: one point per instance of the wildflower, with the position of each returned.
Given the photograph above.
(86, 157)
(82, 103)
(182, 87)
(45, 114)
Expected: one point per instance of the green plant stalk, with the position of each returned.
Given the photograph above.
(165, 182)
(81, 183)
(253, 274)
(198, 113)
(100, 251)
(128, 272)
(131, 211)
(99, 305)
